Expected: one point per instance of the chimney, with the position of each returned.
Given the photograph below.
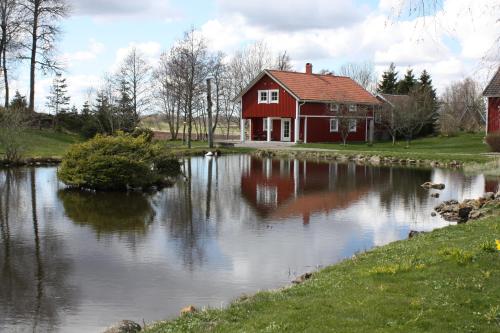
(309, 68)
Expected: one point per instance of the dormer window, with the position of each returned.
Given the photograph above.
(263, 96)
(334, 107)
(353, 108)
(275, 96)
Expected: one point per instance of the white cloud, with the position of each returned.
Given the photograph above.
(291, 15)
(150, 50)
(450, 46)
(111, 9)
(93, 50)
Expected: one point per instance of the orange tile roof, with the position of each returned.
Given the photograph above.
(316, 87)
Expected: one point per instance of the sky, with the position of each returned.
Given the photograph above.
(454, 44)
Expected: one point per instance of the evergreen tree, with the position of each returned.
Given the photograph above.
(388, 85)
(128, 118)
(426, 89)
(19, 102)
(58, 100)
(104, 114)
(407, 83)
(86, 109)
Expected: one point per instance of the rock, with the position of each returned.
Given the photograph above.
(125, 326)
(429, 185)
(463, 212)
(488, 196)
(414, 234)
(475, 214)
(497, 195)
(435, 164)
(302, 278)
(188, 310)
(375, 160)
(435, 195)
(433, 214)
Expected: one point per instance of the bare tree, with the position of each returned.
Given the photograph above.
(167, 90)
(10, 25)
(283, 62)
(363, 73)
(190, 65)
(348, 118)
(463, 108)
(390, 114)
(135, 73)
(42, 17)
(416, 113)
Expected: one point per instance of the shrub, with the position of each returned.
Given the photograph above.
(12, 123)
(145, 132)
(116, 163)
(493, 140)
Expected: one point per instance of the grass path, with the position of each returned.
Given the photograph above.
(444, 281)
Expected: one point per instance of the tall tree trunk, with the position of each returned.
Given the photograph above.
(34, 46)
(6, 79)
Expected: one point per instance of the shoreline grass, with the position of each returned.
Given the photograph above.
(443, 281)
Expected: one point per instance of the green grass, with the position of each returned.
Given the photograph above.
(444, 281)
(465, 147)
(45, 143)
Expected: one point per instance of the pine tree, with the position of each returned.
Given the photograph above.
(125, 108)
(407, 83)
(58, 100)
(388, 85)
(19, 102)
(86, 109)
(426, 89)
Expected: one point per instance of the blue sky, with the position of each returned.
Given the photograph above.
(327, 33)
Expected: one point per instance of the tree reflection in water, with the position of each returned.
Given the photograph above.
(114, 213)
(33, 266)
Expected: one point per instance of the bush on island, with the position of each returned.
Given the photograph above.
(117, 163)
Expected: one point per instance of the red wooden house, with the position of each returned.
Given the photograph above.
(292, 107)
(492, 92)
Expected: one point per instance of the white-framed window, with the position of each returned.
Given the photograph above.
(353, 108)
(263, 96)
(274, 96)
(334, 107)
(353, 125)
(264, 126)
(334, 125)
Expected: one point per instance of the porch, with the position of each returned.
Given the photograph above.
(269, 129)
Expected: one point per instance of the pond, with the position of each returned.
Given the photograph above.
(78, 262)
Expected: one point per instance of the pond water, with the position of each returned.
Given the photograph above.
(78, 262)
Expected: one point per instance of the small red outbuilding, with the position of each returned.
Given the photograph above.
(492, 92)
(292, 106)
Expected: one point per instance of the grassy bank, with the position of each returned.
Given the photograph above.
(444, 281)
(45, 143)
(465, 147)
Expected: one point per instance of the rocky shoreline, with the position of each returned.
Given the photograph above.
(357, 158)
(35, 161)
(468, 210)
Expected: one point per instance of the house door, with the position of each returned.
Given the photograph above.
(286, 130)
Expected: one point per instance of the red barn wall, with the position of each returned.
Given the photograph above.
(493, 114)
(252, 109)
(318, 130)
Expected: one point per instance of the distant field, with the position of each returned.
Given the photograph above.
(163, 127)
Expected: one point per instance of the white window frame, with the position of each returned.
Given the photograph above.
(353, 108)
(264, 125)
(334, 107)
(270, 96)
(336, 128)
(353, 129)
(259, 97)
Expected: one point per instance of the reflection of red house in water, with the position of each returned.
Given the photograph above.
(492, 185)
(292, 188)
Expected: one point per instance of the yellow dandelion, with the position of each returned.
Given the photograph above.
(498, 244)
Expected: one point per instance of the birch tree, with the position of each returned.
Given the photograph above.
(41, 27)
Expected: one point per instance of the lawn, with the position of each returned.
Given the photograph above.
(465, 147)
(45, 143)
(444, 281)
